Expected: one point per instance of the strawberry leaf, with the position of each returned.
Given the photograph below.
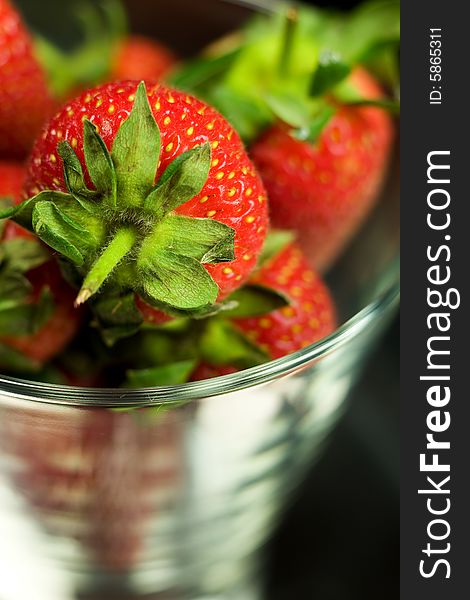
(206, 240)
(254, 301)
(170, 374)
(136, 151)
(198, 314)
(23, 254)
(73, 176)
(391, 106)
(116, 315)
(313, 129)
(378, 48)
(331, 71)
(99, 163)
(369, 28)
(246, 114)
(201, 71)
(26, 318)
(276, 240)
(14, 361)
(178, 281)
(43, 309)
(156, 346)
(103, 25)
(61, 232)
(347, 94)
(222, 344)
(289, 108)
(18, 315)
(14, 288)
(307, 118)
(23, 213)
(183, 179)
(6, 204)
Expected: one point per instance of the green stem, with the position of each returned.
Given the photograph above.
(89, 63)
(120, 245)
(292, 20)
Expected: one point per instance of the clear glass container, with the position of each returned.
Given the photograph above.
(174, 499)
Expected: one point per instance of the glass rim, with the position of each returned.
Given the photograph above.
(66, 395)
(195, 390)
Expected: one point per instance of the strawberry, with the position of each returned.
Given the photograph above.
(12, 175)
(182, 244)
(324, 190)
(208, 371)
(37, 318)
(284, 307)
(42, 340)
(139, 57)
(294, 87)
(235, 340)
(309, 316)
(25, 102)
(106, 53)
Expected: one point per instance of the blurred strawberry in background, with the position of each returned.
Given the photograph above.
(37, 316)
(25, 100)
(105, 51)
(324, 189)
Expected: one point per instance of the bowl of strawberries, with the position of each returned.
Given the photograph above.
(198, 251)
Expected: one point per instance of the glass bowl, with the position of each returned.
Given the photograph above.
(176, 497)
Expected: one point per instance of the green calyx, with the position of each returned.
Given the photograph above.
(102, 25)
(289, 66)
(168, 374)
(124, 232)
(20, 314)
(275, 242)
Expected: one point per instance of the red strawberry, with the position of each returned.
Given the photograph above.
(12, 176)
(207, 371)
(11, 180)
(106, 52)
(62, 323)
(308, 317)
(150, 314)
(25, 102)
(180, 245)
(325, 190)
(38, 318)
(139, 57)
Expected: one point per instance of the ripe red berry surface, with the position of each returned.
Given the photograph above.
(138, 57)
(37, 317)
(11, 179)
(208, 205)
(324, 190)
(12, 175)
(306, 315)
(60, 325)
(25, 102)
(309, 316)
